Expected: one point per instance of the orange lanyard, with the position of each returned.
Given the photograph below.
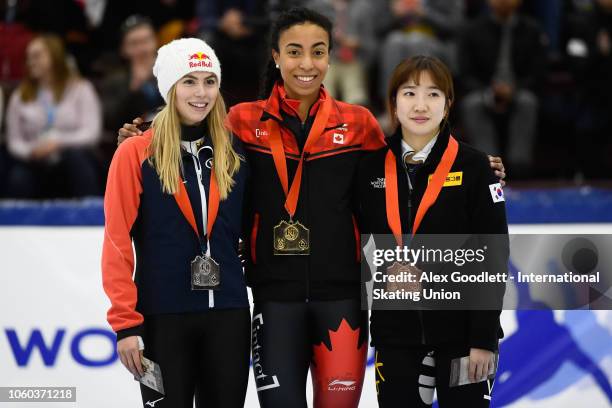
(431, 193)
(182, 199)
(278, 154)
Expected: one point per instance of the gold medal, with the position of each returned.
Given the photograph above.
(291, 238)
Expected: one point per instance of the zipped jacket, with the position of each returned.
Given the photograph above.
(137, 211)
(326, 200)
(465, 205)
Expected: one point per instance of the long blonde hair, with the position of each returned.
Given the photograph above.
(165, 148)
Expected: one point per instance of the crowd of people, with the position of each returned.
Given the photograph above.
(533, 78)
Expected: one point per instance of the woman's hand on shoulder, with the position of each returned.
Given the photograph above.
(497, 165)
(129, 130)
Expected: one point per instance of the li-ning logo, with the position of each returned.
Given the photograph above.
(152, 404)
(342, 385)
(260, 133)
(199, 59)
(378, 183)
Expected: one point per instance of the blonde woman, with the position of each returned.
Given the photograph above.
(177, 192)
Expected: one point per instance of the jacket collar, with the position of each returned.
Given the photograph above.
(279, 100)
(395, 144)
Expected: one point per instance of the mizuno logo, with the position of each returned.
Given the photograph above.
(152, 404)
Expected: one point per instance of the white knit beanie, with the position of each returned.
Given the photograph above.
(180, 57)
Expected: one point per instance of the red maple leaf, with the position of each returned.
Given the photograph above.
(337, 373)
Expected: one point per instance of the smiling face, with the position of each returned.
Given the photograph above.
(196, 94)
(421, 106)
(303, 58)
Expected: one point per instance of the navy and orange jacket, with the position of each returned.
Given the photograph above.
(137, 210)
(326, 201)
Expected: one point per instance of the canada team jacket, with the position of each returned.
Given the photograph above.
(465, 207)
(326, 201)
(136, 210)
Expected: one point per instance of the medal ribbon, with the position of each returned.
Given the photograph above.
(182, 199)
(431, 193)
(278, 154)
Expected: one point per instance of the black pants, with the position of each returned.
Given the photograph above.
(205, 355)
(329, 337)
(407, 378)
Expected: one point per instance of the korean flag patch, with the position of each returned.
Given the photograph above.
(497, 194)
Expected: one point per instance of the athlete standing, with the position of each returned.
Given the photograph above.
(433, 185)
(177, 192)
(303, 250)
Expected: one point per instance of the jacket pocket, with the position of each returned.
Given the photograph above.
(254, 238)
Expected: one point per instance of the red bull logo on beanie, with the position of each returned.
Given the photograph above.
(199, 59)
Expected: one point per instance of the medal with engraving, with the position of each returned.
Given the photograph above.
(292, 237)
(205, 271)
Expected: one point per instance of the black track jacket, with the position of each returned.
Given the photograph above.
(467, 208)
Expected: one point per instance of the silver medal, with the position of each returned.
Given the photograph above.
(205, 273)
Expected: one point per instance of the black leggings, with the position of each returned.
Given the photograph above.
(205, 355)
(408, 377)
(329, 337)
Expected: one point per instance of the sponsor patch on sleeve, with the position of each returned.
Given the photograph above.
(497, 194)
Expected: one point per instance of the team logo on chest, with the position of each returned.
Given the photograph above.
(378, 183)
(338, 138)
(260, 132)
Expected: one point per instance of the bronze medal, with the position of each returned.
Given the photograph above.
(401, 272)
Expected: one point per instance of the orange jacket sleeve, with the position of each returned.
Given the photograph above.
(121, 202)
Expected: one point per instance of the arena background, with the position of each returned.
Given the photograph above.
(53, 329)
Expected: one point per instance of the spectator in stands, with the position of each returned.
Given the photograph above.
(417, 27)
(236, 29)
(53, 119)
(589, 50)
(133, 91)
(3, 155)
(502, 58)
(354, 47)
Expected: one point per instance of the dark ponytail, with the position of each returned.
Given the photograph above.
(286, 20)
